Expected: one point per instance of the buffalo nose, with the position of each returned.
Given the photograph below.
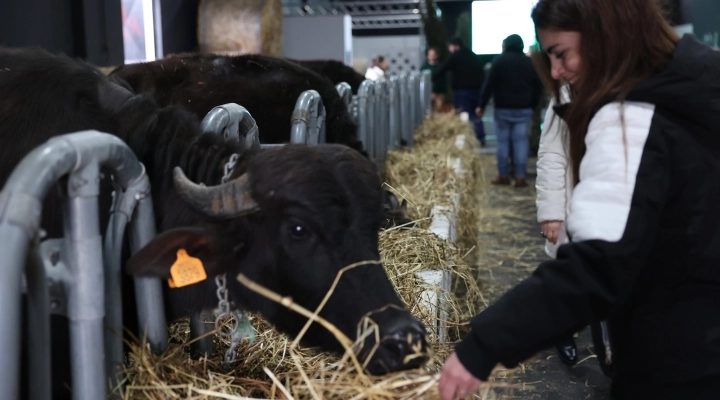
(408, 344)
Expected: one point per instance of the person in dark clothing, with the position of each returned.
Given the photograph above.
(439, 85)
(466, 80)
(517, 90)
(644, 146)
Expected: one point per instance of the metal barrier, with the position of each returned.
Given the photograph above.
(366, 116)
(426, 91)
(73, 264)
(345, 91)
(308, 119)
(394, 115)
(405, 117)
(380, 135)
(234, 122)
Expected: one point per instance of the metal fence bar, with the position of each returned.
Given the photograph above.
(380, 110)
(80, 155)
(427, 91)
(308, 119)
(234, 123)
(345, 91)
(38, 298)
(86, 294)
(394, 116)
(366, 126)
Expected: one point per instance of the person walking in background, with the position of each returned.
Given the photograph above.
(439, 85)
(516, 88)
(467, 75)
(377, 69)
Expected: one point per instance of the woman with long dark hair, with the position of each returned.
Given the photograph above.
(643, 124)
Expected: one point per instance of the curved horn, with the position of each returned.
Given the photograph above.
(231, 199)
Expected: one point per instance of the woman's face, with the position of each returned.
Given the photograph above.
(563, 48)
(432, 56)
(384, 65)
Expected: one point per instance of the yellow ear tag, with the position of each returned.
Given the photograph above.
(186, 270)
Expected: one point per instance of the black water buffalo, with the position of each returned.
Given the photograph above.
(267, 86)
(335, 71)
(289, 218)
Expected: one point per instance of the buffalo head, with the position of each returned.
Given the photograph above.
(290, 218)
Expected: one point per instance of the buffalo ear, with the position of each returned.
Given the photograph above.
(156, 258)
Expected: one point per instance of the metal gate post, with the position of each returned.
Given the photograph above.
(38, 298)
(234, 123)
(366, 128)
(413, 95)
(308, 119)
(86, 294)
(427, 91)
(345, 91)
(380, 134)
(405, 107)
(79, 155)
(394, 123)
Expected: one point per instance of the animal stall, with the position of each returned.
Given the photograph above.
(61, 274)
(420, 263)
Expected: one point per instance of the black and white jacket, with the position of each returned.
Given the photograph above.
(645, 252)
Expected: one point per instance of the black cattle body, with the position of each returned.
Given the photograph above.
(293, 215)
(267, 87)
(335, 71)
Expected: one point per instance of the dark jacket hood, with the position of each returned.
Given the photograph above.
(689, 87)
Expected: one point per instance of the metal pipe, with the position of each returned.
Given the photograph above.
(86, 292)
(393, 114)
(148, 291)
(427, 79)
(20, 213)
(345, 91)
(404, 106)
(198, 327)
(365, 95)
(234, 122)
(38, 301)
(412, 95)
(113, 292)
(380, 134)
(420, 103)
(305, 118)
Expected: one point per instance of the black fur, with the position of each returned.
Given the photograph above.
(335, 71)
(268, 87)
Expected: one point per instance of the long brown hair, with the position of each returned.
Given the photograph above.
(623, 43)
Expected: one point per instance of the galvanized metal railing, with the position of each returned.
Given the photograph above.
(73, 268)
(308, 119)
(388, 111)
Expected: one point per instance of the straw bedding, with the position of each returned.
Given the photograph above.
(426, 176)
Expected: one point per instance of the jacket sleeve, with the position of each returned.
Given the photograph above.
(447, 65)
(552, 165)
(613, 218)
(488, 87)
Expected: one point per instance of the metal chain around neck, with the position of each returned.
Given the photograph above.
(229, 167)
(224, 306)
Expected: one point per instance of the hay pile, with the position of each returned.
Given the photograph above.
(230, 27)
(427, 176)
(272, 368)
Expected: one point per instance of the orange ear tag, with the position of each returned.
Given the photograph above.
(186, 270)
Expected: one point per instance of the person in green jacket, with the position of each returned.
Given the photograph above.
(439, 86)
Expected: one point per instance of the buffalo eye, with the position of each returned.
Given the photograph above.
(298, 231)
